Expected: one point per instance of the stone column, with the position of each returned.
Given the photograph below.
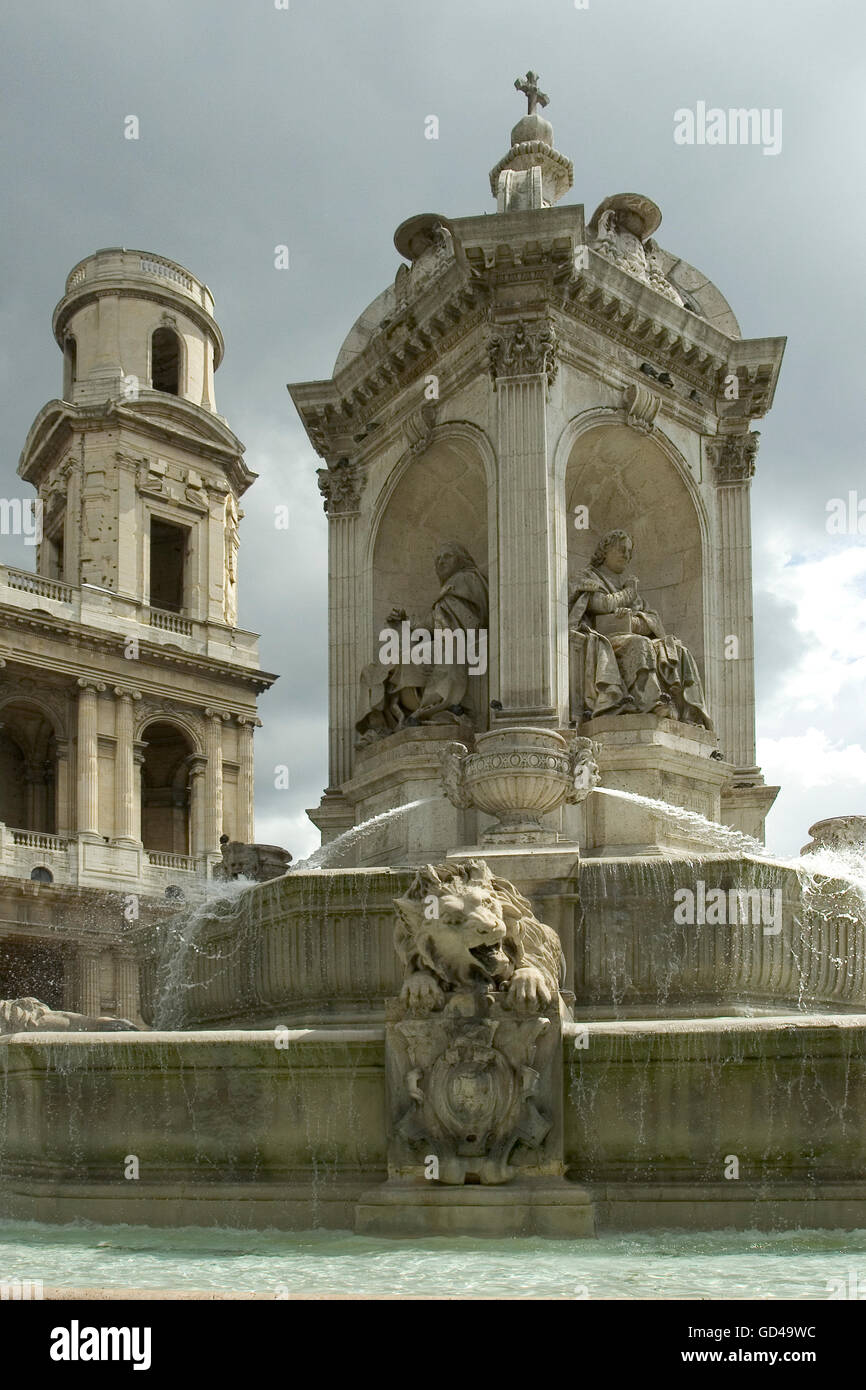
(127, 986)
(341, 485)
(734, 464)
(127, 806)
(197, 826)
(33, 777)
(213, 781)
(246, 775)
(88, 758)
(62, 785)
(89, 982)
(523, 364)
(70, 979)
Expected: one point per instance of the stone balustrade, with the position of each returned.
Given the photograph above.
(114, 263)
(113, 613)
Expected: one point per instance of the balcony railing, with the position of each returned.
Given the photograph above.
(37, 839)
(170, 622)
(38, 584)
(155, 265)
(160, 859)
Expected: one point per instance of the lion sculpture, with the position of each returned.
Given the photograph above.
(459, 928)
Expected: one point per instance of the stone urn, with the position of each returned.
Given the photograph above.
(518, 775)
(837, 832)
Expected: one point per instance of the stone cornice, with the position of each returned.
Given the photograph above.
(181, 424)
(112, 644)
(123, 286)
(576, 289)
(672, 339)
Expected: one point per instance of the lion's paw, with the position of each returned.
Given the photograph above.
(420, 991)
(528, 992)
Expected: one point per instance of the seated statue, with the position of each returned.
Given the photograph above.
(405, 691)
(622, 660)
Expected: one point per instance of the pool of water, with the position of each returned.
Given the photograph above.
(661, 1265)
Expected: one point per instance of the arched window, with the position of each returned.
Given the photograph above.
(28, 768)
(41, 875)
(70, 351)
(165, 790)
(165, 361)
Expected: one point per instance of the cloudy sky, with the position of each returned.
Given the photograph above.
(305, 126)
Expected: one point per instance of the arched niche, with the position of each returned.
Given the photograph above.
(627, 479)
(28, 767)
(165, 788)
(441, 495)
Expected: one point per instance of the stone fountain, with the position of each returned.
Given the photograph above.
(556, 984)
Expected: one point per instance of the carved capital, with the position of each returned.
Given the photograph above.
(341, 485)
(86, 683)
(734, 458)
(126, 693)
(641, 407)
(523, 349)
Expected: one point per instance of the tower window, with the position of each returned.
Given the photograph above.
(69, 365)
(55, 554)
(165, 361)
(168, 546)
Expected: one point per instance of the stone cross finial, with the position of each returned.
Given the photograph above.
(528, 85)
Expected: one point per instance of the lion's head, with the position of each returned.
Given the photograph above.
(460, 927)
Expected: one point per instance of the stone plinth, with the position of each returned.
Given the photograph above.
(657, 758)
(397, 770)
(555, 1208)
(746, 805)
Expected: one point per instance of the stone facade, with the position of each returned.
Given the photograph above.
(127, 691)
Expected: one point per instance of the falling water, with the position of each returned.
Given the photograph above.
(178, 947)
(721, 837)
(845, 862)
(320, 858)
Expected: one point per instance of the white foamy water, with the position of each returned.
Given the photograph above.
(660, 1265)
(179, 947)
(844, 863)
(711, 832)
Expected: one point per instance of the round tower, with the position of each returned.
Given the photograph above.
(130, 322)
